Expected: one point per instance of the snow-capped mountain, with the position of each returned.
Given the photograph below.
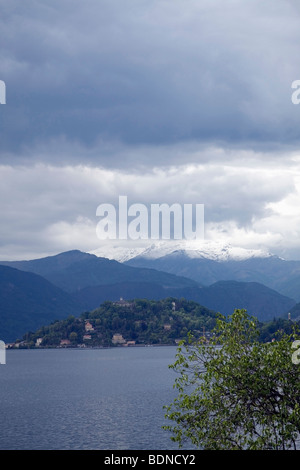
(204, 249)
(208, 262)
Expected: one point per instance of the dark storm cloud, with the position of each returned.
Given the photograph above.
(183, 101)
(92, 77)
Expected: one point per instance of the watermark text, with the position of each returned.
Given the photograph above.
(161, 221)
(296, 354)
(2, 92)
(2, 352)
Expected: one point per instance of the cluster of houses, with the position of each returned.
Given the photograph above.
(117, 338)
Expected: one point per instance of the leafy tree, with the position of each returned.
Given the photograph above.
(73, 337)
(236, 393)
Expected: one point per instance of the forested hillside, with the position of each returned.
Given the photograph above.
(136, 322)
(139, 322)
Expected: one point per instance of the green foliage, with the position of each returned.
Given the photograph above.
(236, 392)
(268, 331)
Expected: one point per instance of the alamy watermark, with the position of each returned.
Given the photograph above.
(296, 354)
(2, 92)
(2, 352)
(160, 221)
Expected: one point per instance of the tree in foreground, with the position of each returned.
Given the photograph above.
(236, 393)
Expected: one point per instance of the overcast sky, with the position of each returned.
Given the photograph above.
(165, 101)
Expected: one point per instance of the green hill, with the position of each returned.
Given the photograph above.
(140, 321)
(43, 290)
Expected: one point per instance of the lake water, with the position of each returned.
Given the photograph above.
(86, 399)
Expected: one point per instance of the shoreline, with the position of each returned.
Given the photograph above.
(79, 348)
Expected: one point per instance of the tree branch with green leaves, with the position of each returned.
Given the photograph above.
(236, 392)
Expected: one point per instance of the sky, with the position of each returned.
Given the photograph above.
(164, 101)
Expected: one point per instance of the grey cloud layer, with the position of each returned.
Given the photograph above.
(135, 72)
(56, 206)
(163, 101)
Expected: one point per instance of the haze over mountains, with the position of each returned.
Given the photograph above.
(76, 270)
(210, 262)
(28, 300)
(36, 292)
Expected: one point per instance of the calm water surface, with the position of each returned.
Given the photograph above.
(86, 399)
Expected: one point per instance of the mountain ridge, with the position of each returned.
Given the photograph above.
(74, 270)
(84, 281)
(217, 251)
(27, 301)
(272, 271)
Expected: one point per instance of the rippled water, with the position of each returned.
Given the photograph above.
(86, 399)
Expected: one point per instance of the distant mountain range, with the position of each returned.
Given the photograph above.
(76, 270)
(37, 292)
(28, 301)
(217, 251)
